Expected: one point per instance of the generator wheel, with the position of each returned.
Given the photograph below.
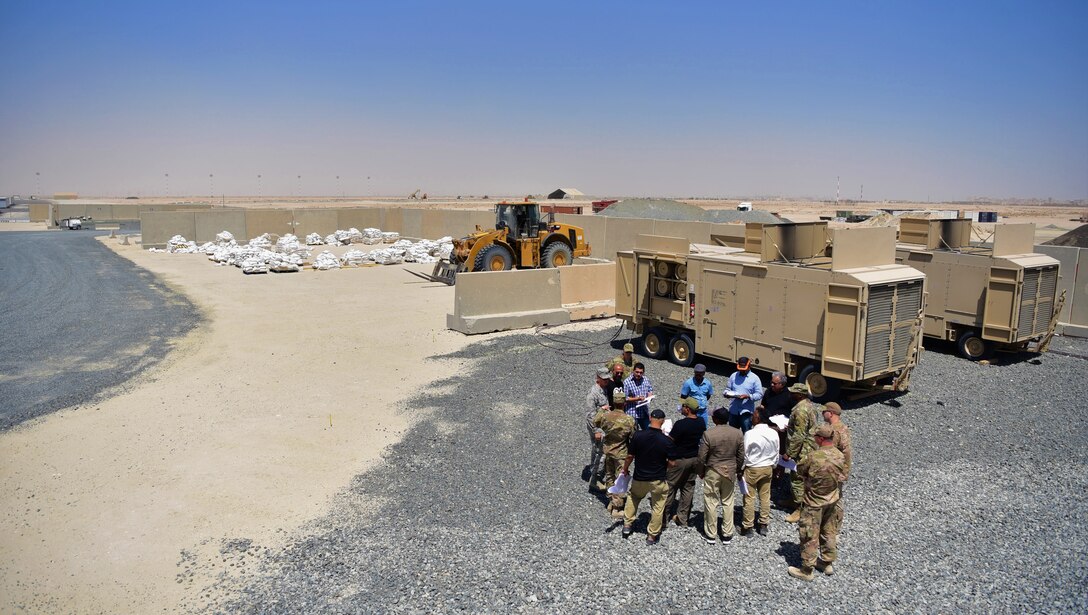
(655, 343)
(557, 254)
(821, 388)
(682, 350)
(494, 258)
(973, 347)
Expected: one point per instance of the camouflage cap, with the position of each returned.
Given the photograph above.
(618, 396)
(833, 408)
(799, 387)
(604, 372)
(825, 431)
(628, 347)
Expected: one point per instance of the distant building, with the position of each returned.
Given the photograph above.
(565, 193)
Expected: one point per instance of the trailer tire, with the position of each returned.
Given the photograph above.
(655, 343)
(682, 350)
(821, 388)
(494, 258)
(972, 347)
(558, 254)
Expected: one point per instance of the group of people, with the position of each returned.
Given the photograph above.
(760, 437)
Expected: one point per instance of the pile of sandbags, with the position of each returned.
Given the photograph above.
(289, 244)
(354, 258)
(326, 260)
(314, 239)
(284, 263)
(390, 236)
(264, 241)
(372, 236)
(343, 238)
(254, 264)
(179, 245)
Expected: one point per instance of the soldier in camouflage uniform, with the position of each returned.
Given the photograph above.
(821, 515)
(841, 439)
(617, 428)
(627, 360)
(803, 421)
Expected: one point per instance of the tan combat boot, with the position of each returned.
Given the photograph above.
(794, 516)
(805, 574)
(825, 567)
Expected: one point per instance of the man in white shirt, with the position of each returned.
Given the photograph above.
(760, 456)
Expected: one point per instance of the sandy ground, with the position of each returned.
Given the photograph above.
(292, 386)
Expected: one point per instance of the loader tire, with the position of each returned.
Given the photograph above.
(557, 254)
(494, 258)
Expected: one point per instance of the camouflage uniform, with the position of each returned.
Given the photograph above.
(627, 367)
(821, 516)
(841, 440)
(801, 441)
(618, 428)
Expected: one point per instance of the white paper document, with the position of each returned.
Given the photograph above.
(789, 464)
(743, 487)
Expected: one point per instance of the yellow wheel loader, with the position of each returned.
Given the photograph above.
(520, 239)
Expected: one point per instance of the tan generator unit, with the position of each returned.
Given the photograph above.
(828, 307)
(998, 294)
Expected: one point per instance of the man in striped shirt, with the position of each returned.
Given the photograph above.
(638, 389)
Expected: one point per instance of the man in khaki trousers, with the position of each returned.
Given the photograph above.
(721, 453)
(761, 449)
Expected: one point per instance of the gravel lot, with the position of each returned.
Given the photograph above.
(968, 496)
(76, 320)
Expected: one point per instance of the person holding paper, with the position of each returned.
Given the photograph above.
(760, 456)
(744, 390)
(638, 390)
(616, 430)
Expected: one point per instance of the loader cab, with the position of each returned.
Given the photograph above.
(520, 219)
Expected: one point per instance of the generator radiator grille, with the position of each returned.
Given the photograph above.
(1036, 301)
(892, 311)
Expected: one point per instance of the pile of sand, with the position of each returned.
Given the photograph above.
(667, 209)
(1076, 238)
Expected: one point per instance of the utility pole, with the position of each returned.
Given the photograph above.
(837, 188)
(167, 175)
(862, 196)
(338, 188)
(211, 183)
(258, 185)
(298, 189)
(38, 183)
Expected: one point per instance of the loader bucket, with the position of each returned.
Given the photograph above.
(445, 272)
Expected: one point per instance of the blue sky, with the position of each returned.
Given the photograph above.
(913, 100)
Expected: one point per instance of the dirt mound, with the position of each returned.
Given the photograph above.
(1076, 238)
(667, 209)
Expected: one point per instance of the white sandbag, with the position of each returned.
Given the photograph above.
(353, 258)
(313, 239)
(225, 238)
(261, 242)
(254, 264)
(372, 236)
(390, 236)
(326, 260)
(284, 263)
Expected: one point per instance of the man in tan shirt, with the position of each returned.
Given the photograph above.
(721, 453)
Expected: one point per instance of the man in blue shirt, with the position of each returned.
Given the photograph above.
(700, 389)
(744, 389)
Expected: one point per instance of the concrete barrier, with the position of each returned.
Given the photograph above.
(208, 224)
(501, 300)
(40, 212)
(157, 227)
(359, 217)
(411, 223)
(275, 221)
(1073, 320)
(321, 221)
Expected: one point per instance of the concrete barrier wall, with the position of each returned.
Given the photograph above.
(125, 211)
(157, 227)
(694, 232)
(1078, 314)
(208, 224)
(276, 221)
(358, 217)
(39, 212)
(412, 223)
(322, 221)
(392, 220)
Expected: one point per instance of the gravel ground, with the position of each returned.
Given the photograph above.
(967, 495)
(76, 320)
